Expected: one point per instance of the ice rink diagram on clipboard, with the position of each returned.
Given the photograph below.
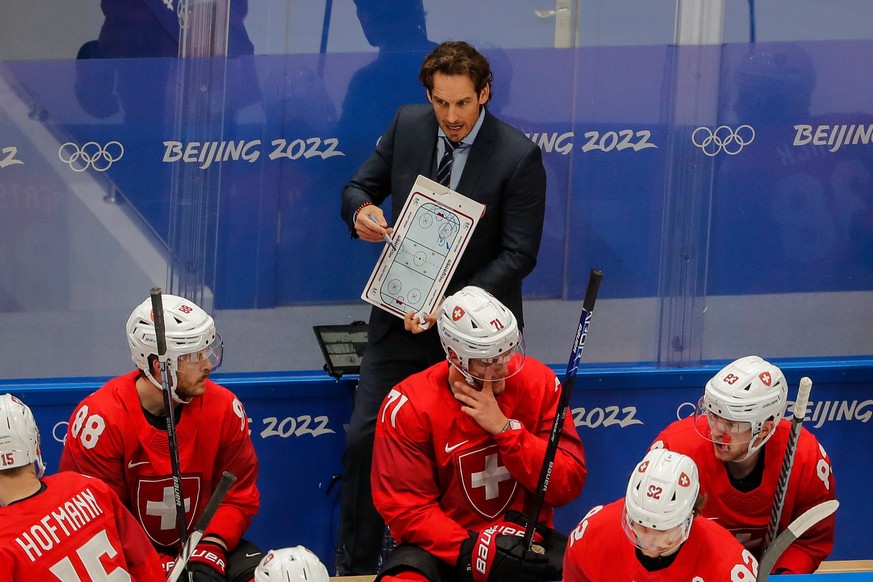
(431, 233)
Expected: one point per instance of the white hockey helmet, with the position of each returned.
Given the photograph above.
(189, 330)
(748, 390)
(474, 325)
(297, 564)
(661, 495)
(19, 436)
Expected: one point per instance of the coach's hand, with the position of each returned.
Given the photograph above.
(414, 323)
(208, 563)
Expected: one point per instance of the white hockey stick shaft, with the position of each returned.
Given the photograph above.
(795, 529)
(203, 521)
(800, 405)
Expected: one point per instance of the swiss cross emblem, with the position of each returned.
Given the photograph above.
(457, 313)
(684, 480)
(765, 378)
(156, 507)
(643, 466)
(488, 486)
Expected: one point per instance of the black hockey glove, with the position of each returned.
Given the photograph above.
(501, 557)
(541, 534)
(208, 563)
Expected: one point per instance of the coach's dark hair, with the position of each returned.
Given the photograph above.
(456, 57)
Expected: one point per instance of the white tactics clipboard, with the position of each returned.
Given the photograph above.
(431, 233)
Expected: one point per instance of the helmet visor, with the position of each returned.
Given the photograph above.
(654, 542)
(499, 367)
(718, 429)
(213, 353)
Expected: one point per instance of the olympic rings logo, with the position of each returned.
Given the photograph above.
(680, 411)
(60, 436)
(730, 141)
(90, 155)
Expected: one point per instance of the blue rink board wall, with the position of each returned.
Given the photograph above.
(297, 427)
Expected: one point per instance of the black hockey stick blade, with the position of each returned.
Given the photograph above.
(795, 529)
(203, 521)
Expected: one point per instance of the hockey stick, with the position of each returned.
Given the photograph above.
(161, 338)
(788, 461)
(227, 480)
(563, 404)
(795, 529)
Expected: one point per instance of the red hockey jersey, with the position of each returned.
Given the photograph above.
(437, 474)
(747, 515)
(75, 530)
(110, 438)
(599, 551)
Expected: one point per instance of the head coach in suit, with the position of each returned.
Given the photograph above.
(456, 141)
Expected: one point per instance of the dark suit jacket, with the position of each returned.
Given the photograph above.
(504, 171)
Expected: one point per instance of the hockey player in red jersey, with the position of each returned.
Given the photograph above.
(63, 527)
(458, 453)
(119, 434)
(738, 439)
(655, 533)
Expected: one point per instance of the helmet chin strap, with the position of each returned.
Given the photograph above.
(753, 449)
(39, 465)
(173, 394)
(464, 372)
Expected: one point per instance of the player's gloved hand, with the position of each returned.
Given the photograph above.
(208, 563)
(513, 524)
(498, 554)
(167, 562)
(513, 517)
(465, 558)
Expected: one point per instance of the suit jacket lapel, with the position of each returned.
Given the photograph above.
(425, 153)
